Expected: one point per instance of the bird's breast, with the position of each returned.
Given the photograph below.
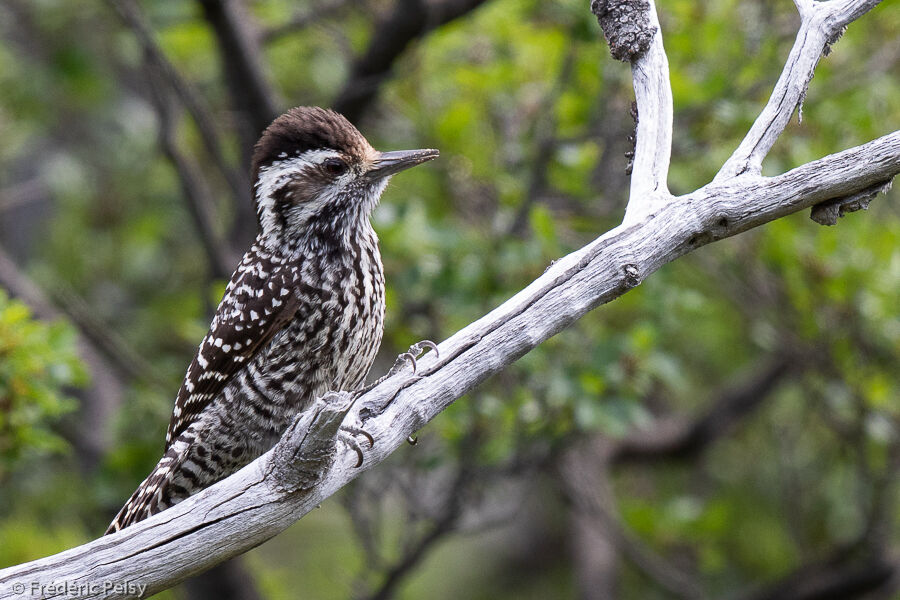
(332, 340)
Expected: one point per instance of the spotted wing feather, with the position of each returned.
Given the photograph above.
(258, 302)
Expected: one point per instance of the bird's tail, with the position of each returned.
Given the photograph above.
(158, 491)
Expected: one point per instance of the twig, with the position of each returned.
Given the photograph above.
(322, 10)
(131, 15)
(245, 74)
(194, 191)
(409, 20)
(418, 551)
(443, 521)
(821, 25)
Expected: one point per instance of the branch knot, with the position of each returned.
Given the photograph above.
(828, 212)
(632, 276)
(626, 25)
(306, 451)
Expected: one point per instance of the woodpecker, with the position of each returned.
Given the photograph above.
(302, 314)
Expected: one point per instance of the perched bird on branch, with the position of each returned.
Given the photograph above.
(303, 313)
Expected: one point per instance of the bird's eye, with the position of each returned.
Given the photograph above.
(335, 167)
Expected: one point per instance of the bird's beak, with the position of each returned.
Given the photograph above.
(389, 163)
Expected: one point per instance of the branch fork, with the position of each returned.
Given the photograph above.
(633, 31)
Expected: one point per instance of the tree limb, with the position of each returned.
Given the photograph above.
(409, 20)
(256, 102)
(671, 438)
(306, 466)
(633, 31)
(193, 188)
(131, 15)
(821, 24)
(242, 64)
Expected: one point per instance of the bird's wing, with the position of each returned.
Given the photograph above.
(258, 302)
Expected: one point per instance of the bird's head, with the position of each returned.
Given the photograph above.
(314, 171)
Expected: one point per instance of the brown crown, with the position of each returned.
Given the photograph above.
(307, 128)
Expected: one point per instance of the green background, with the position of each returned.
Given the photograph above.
(532, 119)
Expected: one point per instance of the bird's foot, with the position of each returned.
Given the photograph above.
(415, 351)
(347, 434)
(407, 358)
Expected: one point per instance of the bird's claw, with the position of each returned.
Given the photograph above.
(416, 350)
(347, 434)
(408, 357)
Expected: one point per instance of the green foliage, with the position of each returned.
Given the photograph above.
(37, 363)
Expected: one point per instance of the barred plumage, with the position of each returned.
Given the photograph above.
(302, 314)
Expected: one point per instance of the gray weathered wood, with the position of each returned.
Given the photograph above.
(307, 466)
(821, 24)
(653, 137)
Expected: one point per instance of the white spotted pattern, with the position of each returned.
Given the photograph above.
(302, 314)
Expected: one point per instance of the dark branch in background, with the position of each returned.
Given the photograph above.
(253, 98)
(322, 10)
(408, 21)
(545, 146)
(831, 579)
(238, 182)
(682, 439)
(242, 65)
(196, 194)
(586, 474)
(110, 353)
(130, 364)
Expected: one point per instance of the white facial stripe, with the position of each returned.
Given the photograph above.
(275, 175)
(273, 172)
(272, 177)
(319, 156)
